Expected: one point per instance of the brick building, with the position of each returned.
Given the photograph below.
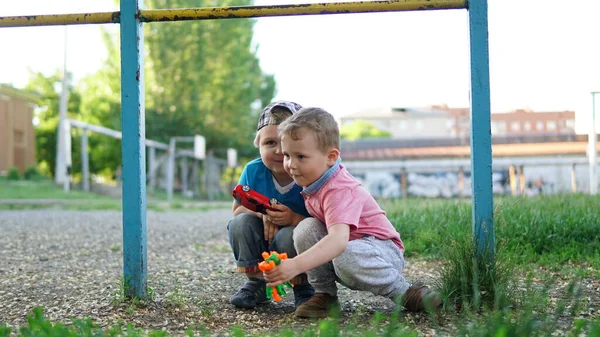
(530, 122)
(516, 122)
(17, 136)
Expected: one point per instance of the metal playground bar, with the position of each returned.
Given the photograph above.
(131, 18)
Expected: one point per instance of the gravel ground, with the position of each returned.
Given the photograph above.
(70, 263)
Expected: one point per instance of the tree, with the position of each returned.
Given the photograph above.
(362, 129)
(49, 87)
(204, 78)
(201, 78)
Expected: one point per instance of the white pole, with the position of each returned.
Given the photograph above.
(60, 172)
(184, 176)
(171, 169)
(85, 162)
(151, 165)
(592, 140)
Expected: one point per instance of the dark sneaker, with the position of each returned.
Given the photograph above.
(419, 297)
(302, 293)
(320, 305)
(251, 294)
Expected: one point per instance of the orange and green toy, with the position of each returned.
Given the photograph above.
(272, 260)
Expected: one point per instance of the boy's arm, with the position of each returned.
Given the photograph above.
(284, 216)
(239, 209)
(332, 245)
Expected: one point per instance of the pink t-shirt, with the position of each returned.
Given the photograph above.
(342, 200)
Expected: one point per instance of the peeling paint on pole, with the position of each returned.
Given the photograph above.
(481, 135)
(134, 154)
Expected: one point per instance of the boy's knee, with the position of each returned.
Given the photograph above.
(241, 224)
(306, 228)
(345, 265)
(285, 235)
(284, 241)
(307, 233)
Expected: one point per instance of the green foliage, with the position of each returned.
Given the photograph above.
(44, 190)
(362, 129)
(468, 283)
(13, 174)
(205, 78)
(101, 105)
(32, 173)
(201, 77)
(48, 87)
(549, 229)
(176, 297)
(38, 326)
(536, 316)
(529, 321)
(231, 176)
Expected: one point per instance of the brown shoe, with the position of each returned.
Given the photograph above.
(419, 297)
(320, 305)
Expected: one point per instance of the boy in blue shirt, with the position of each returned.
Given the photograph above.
(252, 233)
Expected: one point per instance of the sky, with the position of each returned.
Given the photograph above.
(544, 54)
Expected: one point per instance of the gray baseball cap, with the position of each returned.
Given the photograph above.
(267, 118)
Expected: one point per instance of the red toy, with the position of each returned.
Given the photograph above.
(253, 200)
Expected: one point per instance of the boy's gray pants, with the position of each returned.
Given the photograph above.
(367, 263)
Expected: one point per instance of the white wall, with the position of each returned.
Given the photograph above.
(431, 178)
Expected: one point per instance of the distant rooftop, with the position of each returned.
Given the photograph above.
(386, 112)
(9, 90)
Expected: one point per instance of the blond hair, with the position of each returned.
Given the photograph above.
(277, 116)
(319, 121)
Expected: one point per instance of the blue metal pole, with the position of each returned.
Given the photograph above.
(133, 150)
(592, 140)
(481, 136)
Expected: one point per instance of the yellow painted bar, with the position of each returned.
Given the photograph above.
(208, 13)
(59, 19)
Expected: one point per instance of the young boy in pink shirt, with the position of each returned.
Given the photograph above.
(348, 239)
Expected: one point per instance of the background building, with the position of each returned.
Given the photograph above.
(443, 121)
(516, 122)
(405, 122)
(17, 136)
(525, 121)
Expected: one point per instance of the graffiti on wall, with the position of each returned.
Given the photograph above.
(441, 184)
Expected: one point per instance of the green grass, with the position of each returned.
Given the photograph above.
(559, 232)
(84, 201)
(497, 323)
(42, 190)
(546, 230)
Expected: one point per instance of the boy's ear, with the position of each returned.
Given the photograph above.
(333, 156)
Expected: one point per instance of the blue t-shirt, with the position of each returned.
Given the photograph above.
(259, 178)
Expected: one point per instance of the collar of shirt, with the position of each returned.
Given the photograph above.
(313, 188)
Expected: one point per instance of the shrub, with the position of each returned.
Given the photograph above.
(470, 283)
(32, 173)
(13, 174)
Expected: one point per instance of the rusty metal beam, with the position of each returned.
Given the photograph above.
(60, 19)
(152, 15)
(211, 13)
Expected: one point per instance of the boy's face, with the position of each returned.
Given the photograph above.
(270, 149)
(303, 159)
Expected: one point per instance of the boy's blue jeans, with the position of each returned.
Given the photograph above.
(247, 240)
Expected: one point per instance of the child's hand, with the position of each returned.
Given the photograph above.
(269, 228)
(283, 272)
(284, 216)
